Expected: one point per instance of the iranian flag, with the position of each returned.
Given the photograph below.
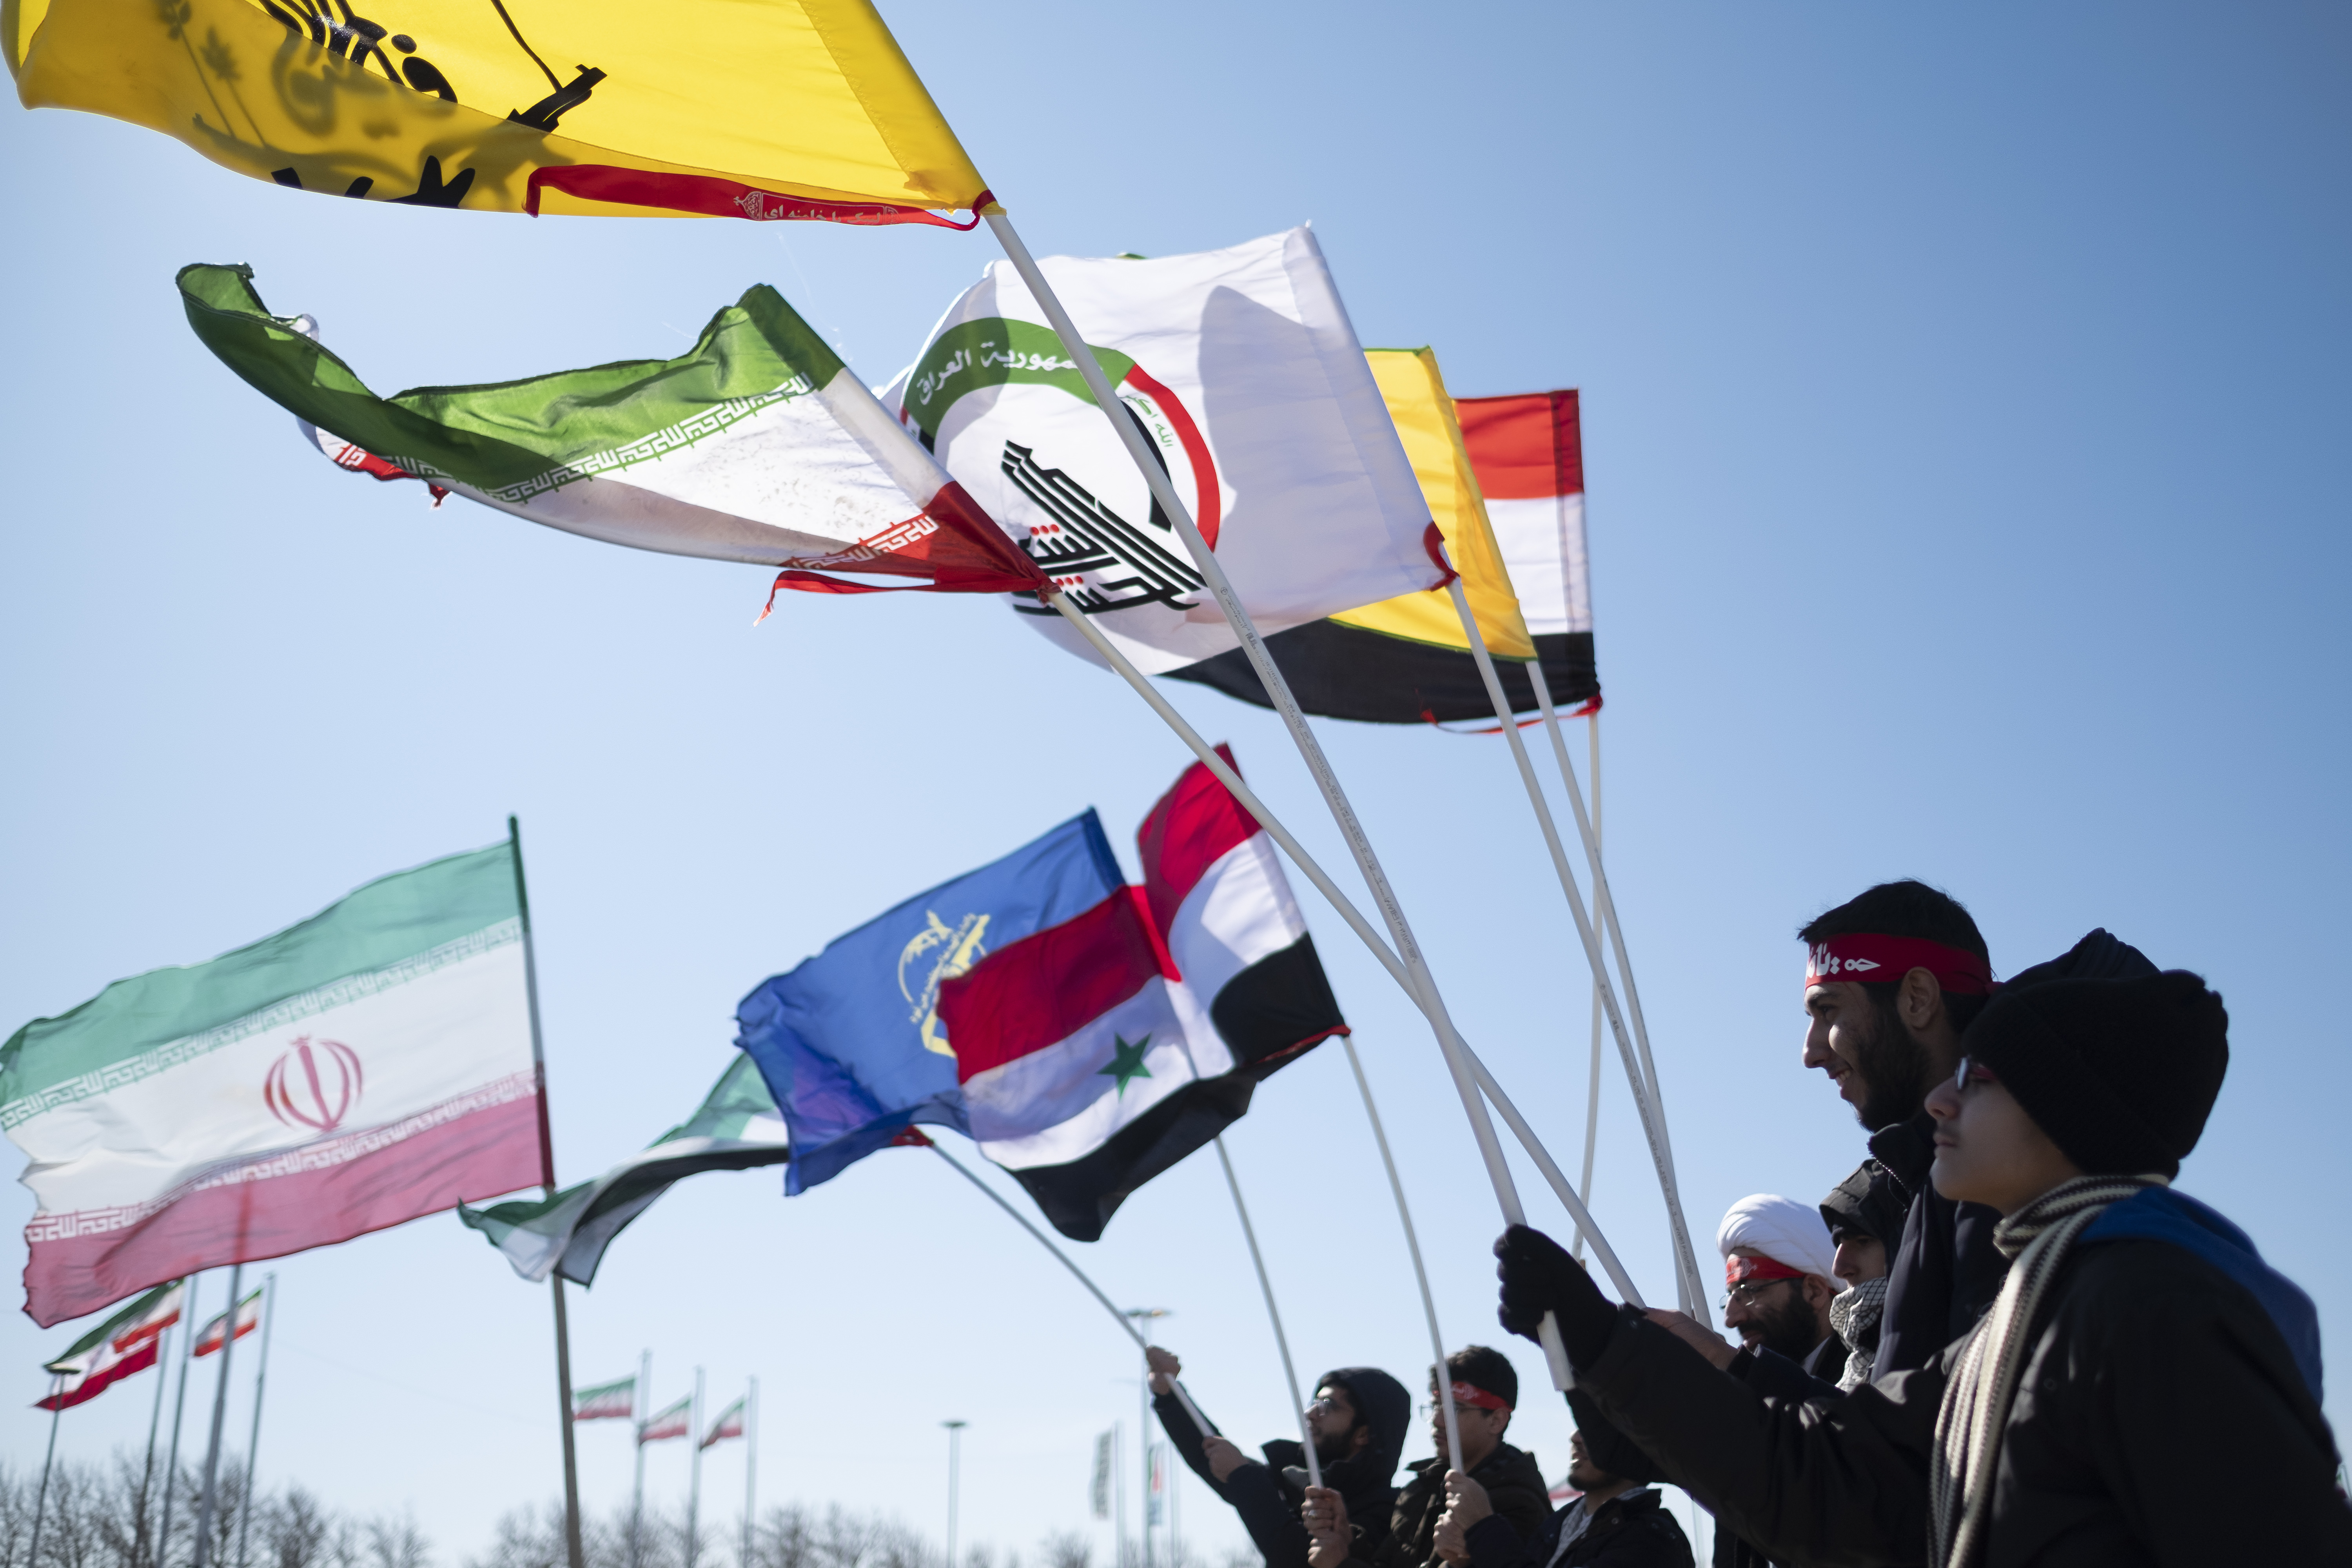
(369, 1065)
(614, 1400)
(215, 1333)
(125, 1343)
(757, 445)
(728, 1424)
(676, 1421)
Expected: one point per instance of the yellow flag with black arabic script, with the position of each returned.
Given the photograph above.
(758, 109)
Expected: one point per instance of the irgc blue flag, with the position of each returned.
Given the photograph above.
(850, 1041)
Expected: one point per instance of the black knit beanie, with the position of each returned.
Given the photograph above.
(2121, 1074)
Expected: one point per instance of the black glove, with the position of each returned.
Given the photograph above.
(1539, 1277)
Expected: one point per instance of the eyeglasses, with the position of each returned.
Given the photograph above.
(1971, 1071)
(1748, 1294)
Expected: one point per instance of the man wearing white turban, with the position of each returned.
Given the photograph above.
(1778, 1270)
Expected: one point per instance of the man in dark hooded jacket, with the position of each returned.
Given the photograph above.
(1616, 1524)
(1359, 1422)
(2133, 1325)
(1485, 1389)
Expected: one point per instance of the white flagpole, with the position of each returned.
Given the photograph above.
(1592, 1089)
(694, 1472)
(189, 1324)
(41, 1498)
(641, 1405)
(220, 1416)
(141, 1557)
(253, 1443)
(1118, 1317)
(1307, 865)
(751, 1465)
(1205, 561)
(1687, 1266)
(1273, 1313)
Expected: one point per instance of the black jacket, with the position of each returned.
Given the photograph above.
(2160, 1418)
(1632, 1530)
(1268, 1496)
(1515, 1488)
(1945, 1273)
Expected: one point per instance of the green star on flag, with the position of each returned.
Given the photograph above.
(1127, 1061)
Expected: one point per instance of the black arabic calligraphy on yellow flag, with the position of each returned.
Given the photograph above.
(758, 109)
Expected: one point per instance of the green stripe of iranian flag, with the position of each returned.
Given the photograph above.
(369, 1065)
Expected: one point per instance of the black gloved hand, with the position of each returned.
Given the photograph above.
(1539, 1277)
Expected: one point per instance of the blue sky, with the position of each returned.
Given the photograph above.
(1959, 390)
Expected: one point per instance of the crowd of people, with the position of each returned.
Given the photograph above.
(2003, 1340)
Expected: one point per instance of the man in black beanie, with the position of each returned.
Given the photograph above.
(2137, 1328)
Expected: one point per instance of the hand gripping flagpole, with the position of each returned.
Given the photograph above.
(1685, 1264)
(1125, 1327)
(1339, 902)
(1424, 985)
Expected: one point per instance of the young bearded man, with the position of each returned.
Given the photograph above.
(1486, 1388)
(2135, 1326)
(1615, 1525)
(1357, 1422)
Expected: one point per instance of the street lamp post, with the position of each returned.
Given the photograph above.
(955, 1446)
(1144, 1317)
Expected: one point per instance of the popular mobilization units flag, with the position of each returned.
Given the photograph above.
(1240, 369)
(728, 1424)
(125, 1343)
(1096, 1054)
(756, 108)
(756, 446)
(1406, 659)
(674, 1421)
(616, 1401)
(368, 1065)
(215, 1333)
(736, 1127)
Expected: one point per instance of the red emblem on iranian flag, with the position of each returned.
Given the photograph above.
(313, 1084)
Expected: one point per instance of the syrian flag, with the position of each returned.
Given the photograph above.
(1097, 1053)
(367, 1067)
(736, 1128)
(125, 1343)
(214, 1334)
(728, 1424)
(1240, 369)
(1504, 479)
(614, 1400)
(757, 445)
(677, 1421)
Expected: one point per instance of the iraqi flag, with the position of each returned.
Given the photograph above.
(1240, 369)
(1097, 1053)
(1504, 477)
(215, 1333)
(757, 445)
(369, 1065)
(125, 1343)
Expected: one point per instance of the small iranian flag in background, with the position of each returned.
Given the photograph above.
(214, 1334)
(126, 1342)
(728, 1424)
(605, 1402)
(369, 1065)
(678, 1421)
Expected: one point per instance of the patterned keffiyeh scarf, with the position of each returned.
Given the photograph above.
(2036, 1240)
(1853, 1317)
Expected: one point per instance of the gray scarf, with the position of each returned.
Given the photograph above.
(2036, 1240)
(1853, 1318)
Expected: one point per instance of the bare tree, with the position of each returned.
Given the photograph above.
(1066, 1549)
(396, 1542)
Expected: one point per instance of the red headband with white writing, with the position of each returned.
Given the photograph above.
(1739, 1269)
(1868, 956)
(1484, 1399)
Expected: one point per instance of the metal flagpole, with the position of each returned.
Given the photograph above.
(140, 1555)
(220, 1416)
(41, 1498)
(1311, 870)
(1273, 1313)
(751, 1465)
(253, 1443)
(188, 1325)
(1205, 561)
(1685, 1261)
(694, 1473)
(1592, 1089)
(1079, 1274)
(1145, 1316)
(955, 1456)
(574, 1555)
(644, 1401)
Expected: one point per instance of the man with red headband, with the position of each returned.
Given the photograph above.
(1485, 1387)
